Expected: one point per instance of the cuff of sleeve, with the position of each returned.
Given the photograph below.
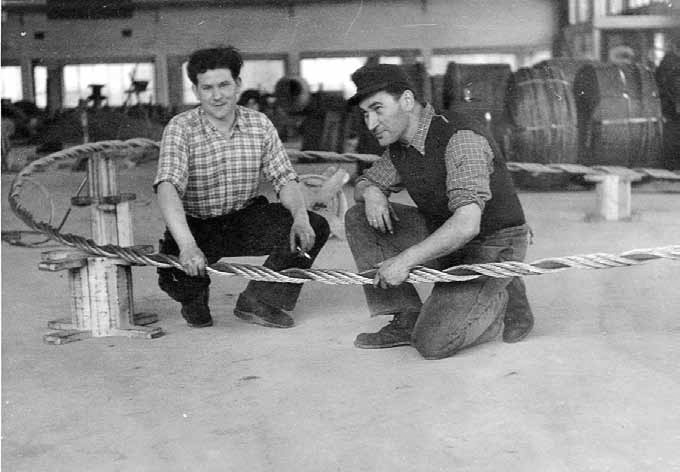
(383, 189)
(281, 182)
(463, 200)
(155, 185)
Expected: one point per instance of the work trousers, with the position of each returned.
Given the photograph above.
(262, 228)
(456, 314)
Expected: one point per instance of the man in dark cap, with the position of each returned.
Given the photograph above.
(466, 212)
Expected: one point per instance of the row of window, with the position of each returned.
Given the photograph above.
(581, 11)
(115, 81)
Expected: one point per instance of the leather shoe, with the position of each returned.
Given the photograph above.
(197, 313)
(396, 333)
(256, 312)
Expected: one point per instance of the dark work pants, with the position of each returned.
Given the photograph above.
(456, 314)
(262, 228)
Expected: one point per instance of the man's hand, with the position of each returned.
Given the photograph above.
(379, 213)
(193, 260)
(302, 233)
(391, 272)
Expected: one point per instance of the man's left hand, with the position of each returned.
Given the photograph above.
(301, 234)
(391, 272)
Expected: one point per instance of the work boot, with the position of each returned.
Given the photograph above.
(517, 326)
(396, 333)
(196, 312)
(257, 312)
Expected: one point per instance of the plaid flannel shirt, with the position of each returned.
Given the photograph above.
(469, 163)
(215, 175)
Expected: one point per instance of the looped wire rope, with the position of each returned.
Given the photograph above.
(418, 274)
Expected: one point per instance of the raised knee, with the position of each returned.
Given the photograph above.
(436, 347)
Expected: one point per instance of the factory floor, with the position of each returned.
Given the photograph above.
(594, 387)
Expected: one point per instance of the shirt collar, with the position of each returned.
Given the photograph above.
(241, 123)
(418, 141)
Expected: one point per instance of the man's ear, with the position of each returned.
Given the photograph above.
(407, 99)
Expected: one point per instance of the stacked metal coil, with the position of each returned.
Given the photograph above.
(541, 107)
(478, 90)
(619, 115)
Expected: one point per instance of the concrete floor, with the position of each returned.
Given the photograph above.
(595, 387)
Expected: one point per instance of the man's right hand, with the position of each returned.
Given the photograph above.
(379, 213)
(193, 260)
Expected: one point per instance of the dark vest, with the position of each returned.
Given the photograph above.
(425, 177)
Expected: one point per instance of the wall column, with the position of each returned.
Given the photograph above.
(55, 87)
(293, 67)
(161, 88)
(27, 83)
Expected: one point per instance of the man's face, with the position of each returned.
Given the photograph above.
(218, 92)
(385, 116)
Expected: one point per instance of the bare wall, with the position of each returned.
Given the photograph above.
(345, 26)
(163, 35)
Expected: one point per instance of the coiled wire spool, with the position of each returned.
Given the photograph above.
(567, 66)
(542, 110)
(478, 90)
(619, 115)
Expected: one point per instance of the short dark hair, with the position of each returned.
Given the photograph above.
(227, 57)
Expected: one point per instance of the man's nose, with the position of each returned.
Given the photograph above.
(217, 93)
(371, 121)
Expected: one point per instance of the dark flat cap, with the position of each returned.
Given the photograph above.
(374, 78)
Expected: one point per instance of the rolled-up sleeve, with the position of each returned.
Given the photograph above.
(173, 158)
(469, 164)
(276, 166)
(383, 174)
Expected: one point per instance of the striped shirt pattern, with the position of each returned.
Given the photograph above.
(215, 175)
(469, 163)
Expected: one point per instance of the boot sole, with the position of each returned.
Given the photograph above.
(205, 324)
(382, 346)
(254, 319)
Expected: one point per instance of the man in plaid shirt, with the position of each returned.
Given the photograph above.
(209, 169)
(466, 212)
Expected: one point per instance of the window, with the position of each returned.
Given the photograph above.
(258, 74)
(580, 11)
(614, 7)
(440, 62)
(116, 79)
(40, 86)
(11, 83)
(391, 60)
(331, 73)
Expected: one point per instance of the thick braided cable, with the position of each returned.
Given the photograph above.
(295, 275)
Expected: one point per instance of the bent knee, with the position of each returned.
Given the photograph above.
(433, 346)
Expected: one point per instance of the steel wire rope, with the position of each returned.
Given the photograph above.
(418, 274)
